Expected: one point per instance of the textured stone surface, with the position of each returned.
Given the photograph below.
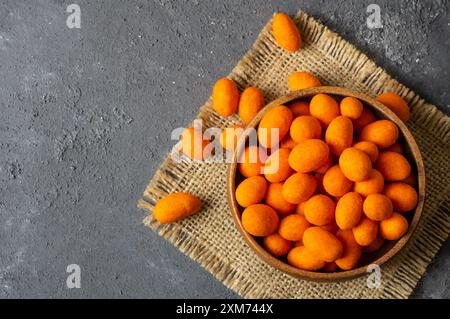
(86, 117)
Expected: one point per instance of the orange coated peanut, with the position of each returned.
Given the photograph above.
(352, 251)
(175, 207)
(251, 191)
(355, 164)
(305, 128)
(274, 198)
(193, 143)
(393, 227)
(301, 257)
(225, 97)
(369, 148)
(250, 103)
(349, 210)
(277, 120)
(351, 107)
(335, 182)
(293, 226)
(260, 220)
(324, 108)
(383, 133)
(252, 161)
(286, 33)
(276, 168)
(299, 187)
(339, 134)
(276, 245)
(372, 185)
(309, 155)
(404, 197)
(396, 104)
(302, 80)
(393, 166)
(299, 108)
(366, 231)
(323, 244)
(319, 210)
(377, 207)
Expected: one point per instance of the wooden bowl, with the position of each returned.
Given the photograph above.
(389, 249)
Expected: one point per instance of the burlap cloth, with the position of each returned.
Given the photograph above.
(211, 238)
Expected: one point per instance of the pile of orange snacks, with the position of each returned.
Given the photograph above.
(336, 185)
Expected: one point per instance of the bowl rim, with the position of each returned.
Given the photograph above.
(341, 275)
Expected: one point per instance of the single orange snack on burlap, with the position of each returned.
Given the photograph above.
(175, 207)
(193, 143)
(396, 104)
(302, 80)
(286, 33)
(225, 97)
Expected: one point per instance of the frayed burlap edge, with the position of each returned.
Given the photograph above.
(403, 273)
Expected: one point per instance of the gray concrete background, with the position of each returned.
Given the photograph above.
(86, 117)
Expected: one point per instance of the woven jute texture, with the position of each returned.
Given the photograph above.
(211, 238)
